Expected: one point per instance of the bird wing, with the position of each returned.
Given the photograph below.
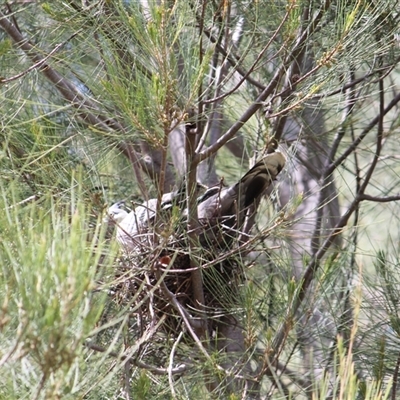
(254, 183)
(245, 192)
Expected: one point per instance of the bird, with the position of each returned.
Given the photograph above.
(133, 227)
(245, 192)
(225, 207)
(226, 210)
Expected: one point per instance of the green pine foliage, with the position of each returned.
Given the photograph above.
(77, 321)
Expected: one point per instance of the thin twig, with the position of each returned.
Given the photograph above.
(171, 363)
(203, 132)
(40, 386)
(251, 69)
(38, 64)
(189, 323)
(127, 377)
(251, 110)
(268, 90)
(276, 381)
(327, 178)
(27, 200)
(293, 375)
(379, 139)
(140, 364)
(233, 60)
(363, 134)
(386, 68)
(195, 324)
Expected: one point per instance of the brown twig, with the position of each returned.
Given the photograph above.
(379, 140)
(233, 60)
(334, 164)
(36, 65)
(195, 324)
(248, 246)
(251, 110)
(386, 69)
(327, 178)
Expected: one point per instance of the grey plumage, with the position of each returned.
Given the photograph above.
(239, 197)
(133, 227)
(229, 213)
(218, 206)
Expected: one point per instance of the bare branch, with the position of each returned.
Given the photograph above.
(259, 56)
(193, 223)
(313, 265)
(243, 119)
(386, 69)
(362, 135)
(377, 199)
(233, 61)
(258, 103)
(195, 324)
(326, 178)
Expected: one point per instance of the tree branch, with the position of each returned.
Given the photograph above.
(88, 110)
(193, 223)
(386, 199)
(251, 69)
(313, 265)
(362, 135)
(243, 119)
(258, 103)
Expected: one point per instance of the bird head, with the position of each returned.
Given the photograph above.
(116, 212)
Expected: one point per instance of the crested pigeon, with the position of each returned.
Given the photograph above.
(227, 206)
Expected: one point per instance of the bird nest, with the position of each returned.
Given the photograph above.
(156, 282)
(159, 272)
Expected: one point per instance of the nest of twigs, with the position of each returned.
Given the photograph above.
(156, 282)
